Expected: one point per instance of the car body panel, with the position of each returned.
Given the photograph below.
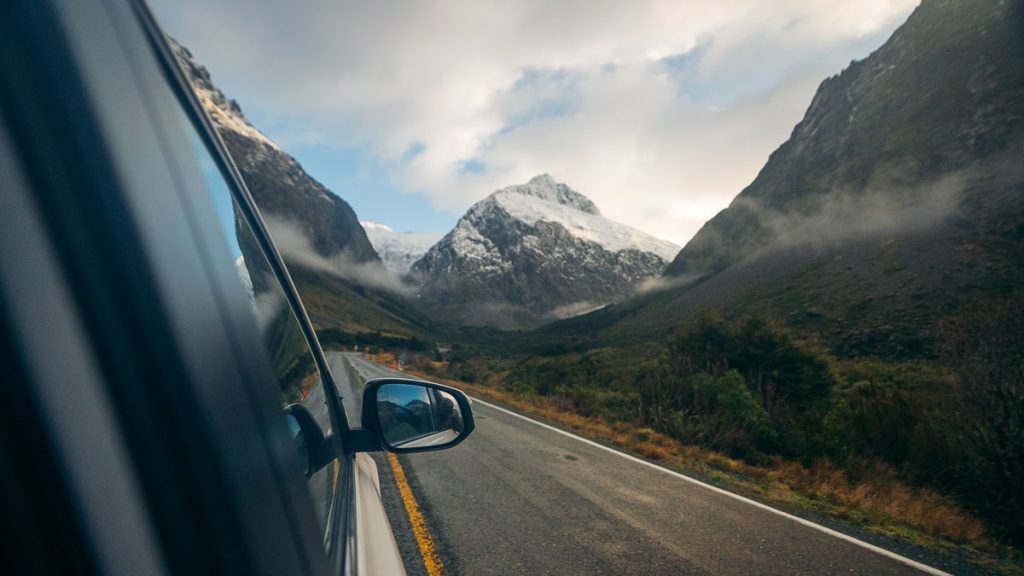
(376, 549)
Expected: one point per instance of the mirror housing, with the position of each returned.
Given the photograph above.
(403, 415)
(308, 438)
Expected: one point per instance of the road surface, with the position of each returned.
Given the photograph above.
(521, 498)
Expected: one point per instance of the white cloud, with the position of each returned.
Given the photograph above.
(297, 250)
(579, 89)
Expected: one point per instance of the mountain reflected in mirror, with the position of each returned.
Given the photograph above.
(414, 416)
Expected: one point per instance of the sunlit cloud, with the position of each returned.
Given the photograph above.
(661, 112)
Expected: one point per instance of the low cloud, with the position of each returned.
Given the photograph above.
(265, 305)
(880, 209)
(660, 283)
(297, 249)
(575, 309)
(883, 208)
(887, 207)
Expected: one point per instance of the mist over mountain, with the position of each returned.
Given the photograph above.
(399, 250)
(526, 255)
(897, 199)
(345, 287)
(941, 96)
(278, 183)
(532, 253)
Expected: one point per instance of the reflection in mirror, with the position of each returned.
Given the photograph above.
(414, 416)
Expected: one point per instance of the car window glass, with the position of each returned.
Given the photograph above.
(295, 371)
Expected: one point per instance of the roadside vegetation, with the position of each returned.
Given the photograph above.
(928, 449)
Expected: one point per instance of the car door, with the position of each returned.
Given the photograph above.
(150, 330)
(301, 373)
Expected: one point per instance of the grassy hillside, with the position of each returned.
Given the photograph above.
(879, 293)
(340, 307)
(865, 438)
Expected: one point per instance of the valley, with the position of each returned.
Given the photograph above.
(848, 331)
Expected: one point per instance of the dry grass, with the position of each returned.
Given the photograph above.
(881, 499)
(878, 501)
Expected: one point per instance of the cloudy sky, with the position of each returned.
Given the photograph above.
(660, 111)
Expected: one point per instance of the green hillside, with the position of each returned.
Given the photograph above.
(897, 200)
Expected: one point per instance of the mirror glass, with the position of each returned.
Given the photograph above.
(413, 416)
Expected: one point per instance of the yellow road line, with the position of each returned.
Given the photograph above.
(431, 559)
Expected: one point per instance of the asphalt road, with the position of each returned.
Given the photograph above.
(521, 498)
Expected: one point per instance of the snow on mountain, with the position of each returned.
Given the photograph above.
(544, 200)
(399, 250)
(531, 253)
(371, 225)
(225, 112)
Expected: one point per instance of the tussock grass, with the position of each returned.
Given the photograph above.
(879, 499)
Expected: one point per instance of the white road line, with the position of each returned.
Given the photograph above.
(808, 523)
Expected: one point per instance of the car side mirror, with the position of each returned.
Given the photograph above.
(307, 438)
(401, 415)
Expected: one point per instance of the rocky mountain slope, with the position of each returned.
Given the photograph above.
(282, 189)
(944, 93)
(343, 283)
(532, 253)
(399, 250)
(898, 199)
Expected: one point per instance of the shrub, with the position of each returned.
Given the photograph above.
(986, 409)
(716, 412)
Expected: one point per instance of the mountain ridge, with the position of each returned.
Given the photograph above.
(890, 120)
(898, 199)
(280, 186)
(529, 253)
(343, 284)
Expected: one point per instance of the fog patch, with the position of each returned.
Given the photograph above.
(575, 309)
(243, 275)
(891, 203)
(265, 305)
(663, 282)
(296, 248)
(877, 211)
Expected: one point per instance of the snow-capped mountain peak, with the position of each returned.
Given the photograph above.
(544, 200)
(534, 252)
(544, 187)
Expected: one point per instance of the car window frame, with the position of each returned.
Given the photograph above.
(339, 533)
(204, 128)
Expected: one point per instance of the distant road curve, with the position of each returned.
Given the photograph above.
(522, 497)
